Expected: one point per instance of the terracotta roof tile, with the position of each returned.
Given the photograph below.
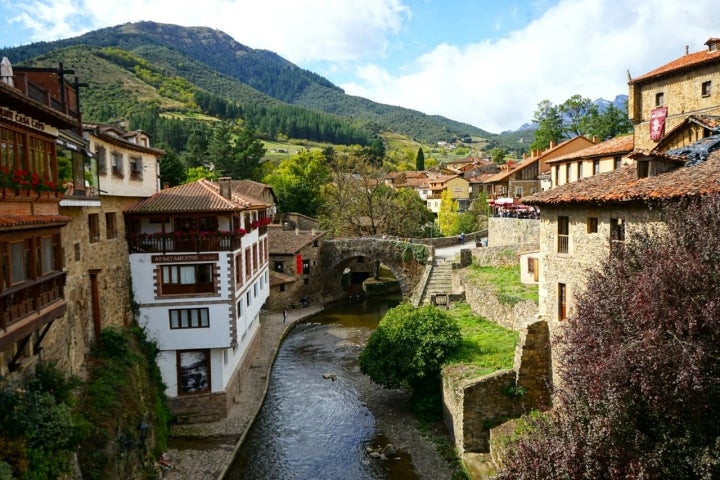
(289, 242)
(686, 61)
(617, 145)
(199, 196)
(623, 185)
(14, 222)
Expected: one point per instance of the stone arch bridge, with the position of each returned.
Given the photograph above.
(407, 261)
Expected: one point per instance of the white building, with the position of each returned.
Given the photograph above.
(199, 266)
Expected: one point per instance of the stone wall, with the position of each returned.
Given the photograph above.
(69, 338)
(517, 232)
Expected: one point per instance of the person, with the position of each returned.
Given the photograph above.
(284, 315)
(462, 237)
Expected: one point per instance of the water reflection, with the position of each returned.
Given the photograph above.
(312, 427)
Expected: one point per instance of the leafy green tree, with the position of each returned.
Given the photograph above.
(498, 155)
(550, 125)
(420, 160)
(236, 152)
(172, 170)
(574, 112)
(448, 215)
(195, 153)
(639, 363)
(196, 173)
(298, 182)
(609, 124)
(409, 346)
(408, 215)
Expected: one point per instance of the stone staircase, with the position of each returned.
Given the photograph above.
(440, 280)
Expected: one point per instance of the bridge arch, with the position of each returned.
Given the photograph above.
(406, 261)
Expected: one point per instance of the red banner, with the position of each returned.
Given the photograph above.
(298, 264)
(657, 123)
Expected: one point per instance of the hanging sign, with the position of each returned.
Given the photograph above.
(657, 123)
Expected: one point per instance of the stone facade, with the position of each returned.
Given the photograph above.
(71, 337)
(522, 232)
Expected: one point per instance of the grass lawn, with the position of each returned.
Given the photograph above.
(504, 282)
(486, 346)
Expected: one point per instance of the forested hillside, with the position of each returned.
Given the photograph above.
(169, 65)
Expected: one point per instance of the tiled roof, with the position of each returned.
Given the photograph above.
(289, 242)
(249, 188)
(14, 222)
(199, 196)
(623, 185)
(686, 61)
(617, 145)
(277, 278)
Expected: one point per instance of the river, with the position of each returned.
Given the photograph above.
(311, 427)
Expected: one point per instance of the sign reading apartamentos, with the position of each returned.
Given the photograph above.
(201, 257)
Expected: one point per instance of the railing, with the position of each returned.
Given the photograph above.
(563, 244)
(171, 242)
(20, 301)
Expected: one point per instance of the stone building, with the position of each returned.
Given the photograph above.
(38, 110)
(199, 265)
(293, 258)
(123, 168)
(581, 222)
(662, 99)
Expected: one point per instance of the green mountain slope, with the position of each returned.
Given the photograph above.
(212, 61)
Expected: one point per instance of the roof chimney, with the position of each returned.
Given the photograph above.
(687, 49)
(225, 190)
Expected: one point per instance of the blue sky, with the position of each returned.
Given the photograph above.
(484, 62)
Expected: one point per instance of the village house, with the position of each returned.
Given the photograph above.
(664, 98)
(593, 160)
(36, 107)
(518, 180)
(457, 187)
(293, 257)
(200, 275)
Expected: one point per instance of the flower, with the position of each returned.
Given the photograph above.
(20, 179)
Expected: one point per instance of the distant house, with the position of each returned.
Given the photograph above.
(593, 160)
(520, 179)
(200, 273)
(293, 258)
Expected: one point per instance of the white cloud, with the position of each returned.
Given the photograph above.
(580, 47)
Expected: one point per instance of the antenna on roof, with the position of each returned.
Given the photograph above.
(629, 77)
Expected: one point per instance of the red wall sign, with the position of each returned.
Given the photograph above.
(657, 123)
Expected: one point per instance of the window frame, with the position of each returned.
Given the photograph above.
(563, 234)
(202, 318)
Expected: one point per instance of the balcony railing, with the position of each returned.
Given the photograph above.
(172, 242)
(563, 244)
(18, 302)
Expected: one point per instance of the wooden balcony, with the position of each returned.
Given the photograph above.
(23, 308)
(172, 242)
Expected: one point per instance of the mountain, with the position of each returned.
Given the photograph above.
(169, 66)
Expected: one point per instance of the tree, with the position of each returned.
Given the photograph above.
(448, 215)
(236, 152)
(172, 170)
(574, 112)
(409, 346)
(498, 155)
(550, 125)
(608, 124)
(639, 390)
(420, 160)
(298, 182)
(196, 173)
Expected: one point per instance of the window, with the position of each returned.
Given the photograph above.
(563, 234)
(567, 173)
(136, 168)
(101, 155)
(187, 279)
(596, 166)
(117, 163)
(579, 170)
(617, 233)
(617, 162)
(19, 262)
(255, 257)
(193, 371)
(557, 175)
(48, 249)
(706, 89)
(110, 225)
(518, 191)
(592, 225)
(659, 99)
(306, 267)
(279, 266)
(189, 318)
(94, 227)
(238, 270)
(248, 264)
(562, 301)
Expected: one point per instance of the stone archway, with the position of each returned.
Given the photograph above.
(405, 260)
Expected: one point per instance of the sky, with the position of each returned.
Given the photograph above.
(487, 63)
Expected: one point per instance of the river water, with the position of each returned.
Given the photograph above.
(318, 428)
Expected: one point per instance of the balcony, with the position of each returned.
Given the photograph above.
(22, 301)
(184, 242)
